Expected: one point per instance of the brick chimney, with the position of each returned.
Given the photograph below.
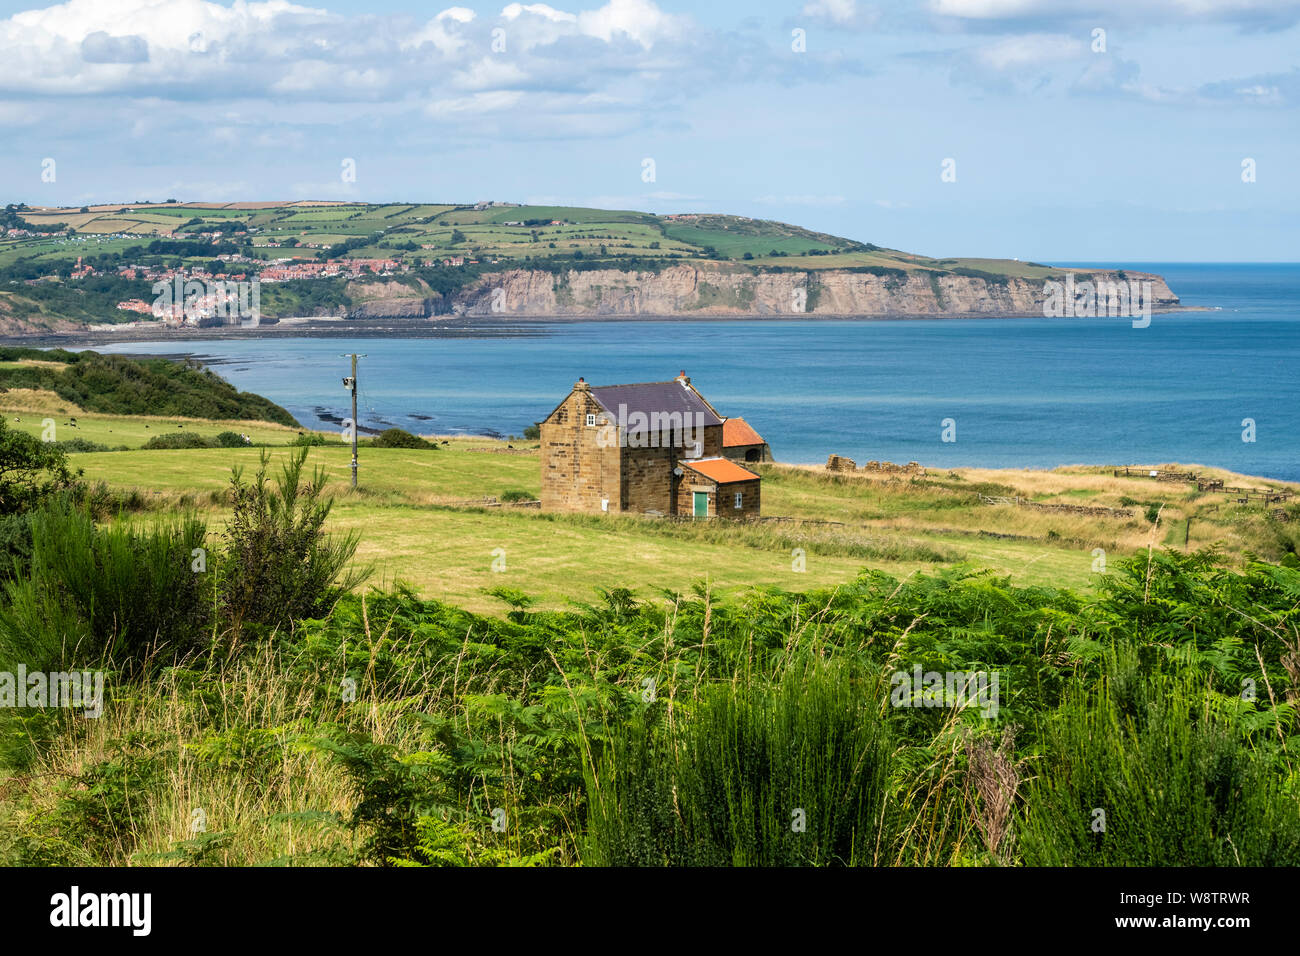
(681, 377)
(581, 385)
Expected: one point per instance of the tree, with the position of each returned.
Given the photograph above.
(30, 470)
(279, 563)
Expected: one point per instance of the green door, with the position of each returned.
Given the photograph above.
(701, 504)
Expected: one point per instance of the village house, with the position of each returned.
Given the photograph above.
(650, 447)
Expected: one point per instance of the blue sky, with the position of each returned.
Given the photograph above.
(1062, 150)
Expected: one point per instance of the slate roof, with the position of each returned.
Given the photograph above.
(722, 470)
(655, 398)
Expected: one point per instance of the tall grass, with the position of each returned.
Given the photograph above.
(794, 773)
(1151, 770)
(94, 595)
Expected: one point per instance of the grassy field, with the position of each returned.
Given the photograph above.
(430, 519)
(434, 519)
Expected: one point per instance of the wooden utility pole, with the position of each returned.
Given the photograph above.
(351, 385)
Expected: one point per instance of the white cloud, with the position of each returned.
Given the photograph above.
(476, 103)
(515, 10)
(640, 20)
(844, 14)
(1033, 49)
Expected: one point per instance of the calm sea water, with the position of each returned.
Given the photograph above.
(1022, 392)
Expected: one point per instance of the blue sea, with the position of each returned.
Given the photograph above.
(1031, 393)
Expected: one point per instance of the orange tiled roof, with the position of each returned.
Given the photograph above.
(722, 470)
(736, 431)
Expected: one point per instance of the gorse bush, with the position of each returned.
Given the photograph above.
(113, 594)
(1151, 770)
(400, 438)
(179, 439)
(795, 773)
(15, 545)
(278, 564)
(81, 445)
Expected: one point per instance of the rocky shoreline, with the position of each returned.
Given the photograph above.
(446, 326)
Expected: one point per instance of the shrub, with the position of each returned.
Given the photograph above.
(514, 495)
(309, 439)
(279, 564)
(399, 438)
(231, 440)
(758, 775)
(100, 594)
(31, 471)
(82, 445)
(1177, 783)
(532, 433)
(174, 440)
(15, 545)
(119, 385)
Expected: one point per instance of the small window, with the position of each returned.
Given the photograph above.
(591, 421)
(739, 498)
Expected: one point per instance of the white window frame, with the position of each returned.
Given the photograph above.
(591, 421)
(740, 497)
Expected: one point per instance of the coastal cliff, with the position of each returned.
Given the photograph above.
(686, 290)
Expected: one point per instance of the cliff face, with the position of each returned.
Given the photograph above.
(392, 300)
(702, 290)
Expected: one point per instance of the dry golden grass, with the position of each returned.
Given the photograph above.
(244, 812)
(37, 400)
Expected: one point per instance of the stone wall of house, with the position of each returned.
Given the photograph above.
(740, 453)
(577, 473)
(712, 442)
(722, 498)
(686, 489)
(837, 463)
(750, 502)
(647, 478)
(647, 472)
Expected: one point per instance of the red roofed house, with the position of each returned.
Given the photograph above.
(653, 447)
(741, 443)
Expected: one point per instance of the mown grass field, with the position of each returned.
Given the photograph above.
(422, 518)
(434, 520)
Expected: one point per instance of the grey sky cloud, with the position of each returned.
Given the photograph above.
(100, 47)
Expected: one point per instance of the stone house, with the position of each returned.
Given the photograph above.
(652, 447)
(741, 443)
